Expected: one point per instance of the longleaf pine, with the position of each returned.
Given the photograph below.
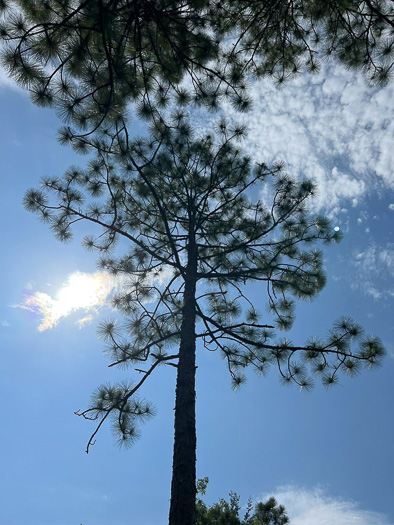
(199, 234)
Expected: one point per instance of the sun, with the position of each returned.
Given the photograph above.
(81, 291)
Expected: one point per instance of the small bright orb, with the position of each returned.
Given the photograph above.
(336, 229)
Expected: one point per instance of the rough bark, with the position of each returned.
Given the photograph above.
(183, 486)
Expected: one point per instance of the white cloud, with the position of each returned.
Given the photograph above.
(5, 323)
(332, 190)
(315, 507)
(332, 127)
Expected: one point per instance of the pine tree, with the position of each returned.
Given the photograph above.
(199, 236)
(270, 513)
(221, 513)
(227, 512)
(90, 58)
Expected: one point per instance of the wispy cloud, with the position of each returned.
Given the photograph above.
(5, 323)
(316, 507)
(375, 271)
(84, 321)
(386, 257)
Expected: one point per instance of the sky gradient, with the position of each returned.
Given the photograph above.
(327, 455)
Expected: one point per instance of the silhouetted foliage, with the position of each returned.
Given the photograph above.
(90, 58)
(269, 513)
(228, 512)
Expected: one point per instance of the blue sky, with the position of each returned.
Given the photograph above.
(327, 455)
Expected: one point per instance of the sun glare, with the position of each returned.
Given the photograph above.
(83, 291)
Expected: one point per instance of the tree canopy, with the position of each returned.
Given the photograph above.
(90, 58)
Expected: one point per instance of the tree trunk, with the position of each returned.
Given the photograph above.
(183, 486)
